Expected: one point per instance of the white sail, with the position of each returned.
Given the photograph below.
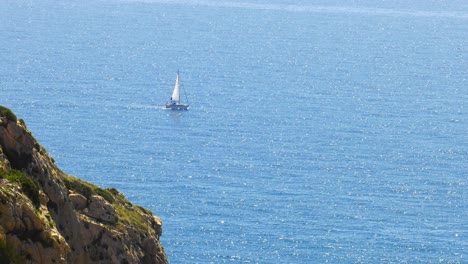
(176, 92)
(175, 103)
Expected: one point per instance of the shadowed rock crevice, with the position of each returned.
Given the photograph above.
(16, 143)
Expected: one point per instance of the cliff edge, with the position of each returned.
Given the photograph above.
(47, 216)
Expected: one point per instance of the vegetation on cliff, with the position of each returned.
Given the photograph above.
(47, 216)
(87, 189)
(28, 185)
(126, 213)
(7, 113)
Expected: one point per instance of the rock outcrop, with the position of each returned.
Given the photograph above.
(47, 216)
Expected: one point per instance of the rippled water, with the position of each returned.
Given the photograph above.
(318, 132)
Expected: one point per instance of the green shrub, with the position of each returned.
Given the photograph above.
(37, 146)
(29, 186)
(144, 210)
(86, 189)
(51, 221)
(130, 217)
(77, 185)
(105, 194)
(5, 112)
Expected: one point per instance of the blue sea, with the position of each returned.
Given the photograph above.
(318, 132)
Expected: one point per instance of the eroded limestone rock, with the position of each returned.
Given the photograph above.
(101, 210)
(73, 224)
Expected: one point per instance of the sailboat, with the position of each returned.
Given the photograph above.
(175, 103)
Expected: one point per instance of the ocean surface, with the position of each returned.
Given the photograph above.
(319, 131)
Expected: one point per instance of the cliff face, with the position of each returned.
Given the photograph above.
(47, 216)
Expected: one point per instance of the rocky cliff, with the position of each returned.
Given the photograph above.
(47, 216)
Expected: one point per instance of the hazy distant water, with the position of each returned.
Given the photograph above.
(319, 132)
